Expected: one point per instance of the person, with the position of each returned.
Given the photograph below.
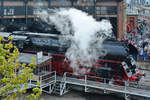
(146, 52)
(141, 53)
(132, 50)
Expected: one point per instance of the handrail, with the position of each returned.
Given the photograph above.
(47, 78)
(53, 76)
(126, 82)
(47, 73)
(64, 84)
(89, 76)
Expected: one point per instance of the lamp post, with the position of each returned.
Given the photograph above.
(26, 10)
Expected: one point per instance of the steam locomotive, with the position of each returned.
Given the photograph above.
(116, 64)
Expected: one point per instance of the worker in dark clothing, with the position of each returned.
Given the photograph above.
(133, 50)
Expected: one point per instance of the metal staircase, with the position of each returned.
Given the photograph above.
(57, 88)
(48, 82)
(51, 85)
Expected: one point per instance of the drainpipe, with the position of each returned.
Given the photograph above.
(125, 16)
(49, 3)
(26, 10)
(72, 1)
(94, 8)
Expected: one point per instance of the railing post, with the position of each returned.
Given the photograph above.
(65, 77)
(50, 88)
(40, 79)
(125, 89)
(30, 82)
(63, 87)
(104, 85)
(55, 76)
(125, 86)
(85, 83)
(40, 82)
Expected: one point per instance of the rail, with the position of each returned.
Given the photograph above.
(126, 87)
(48, 78)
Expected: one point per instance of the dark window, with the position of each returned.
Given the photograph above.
(88, 9)
(106, 10)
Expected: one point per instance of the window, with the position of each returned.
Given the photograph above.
(88, 9)
(106, 10)
(98, 9)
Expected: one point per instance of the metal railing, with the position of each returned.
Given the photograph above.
(63, 86)
(105, 84)
(48, 78)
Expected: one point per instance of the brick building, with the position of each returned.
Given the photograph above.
(23, 10)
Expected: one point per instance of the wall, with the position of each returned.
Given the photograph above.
(116, 10)
(121, 18)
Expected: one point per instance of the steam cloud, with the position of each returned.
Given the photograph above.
(84, 32)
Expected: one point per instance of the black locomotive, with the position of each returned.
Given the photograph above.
(116, 64)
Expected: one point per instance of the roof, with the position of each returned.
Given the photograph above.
(4, 34)
(34, 33)
(18, 37)
(27, 58)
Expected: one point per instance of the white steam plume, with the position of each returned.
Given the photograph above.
(85, 33)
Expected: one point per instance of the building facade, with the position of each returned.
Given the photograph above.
(24, 10)
(139, 2)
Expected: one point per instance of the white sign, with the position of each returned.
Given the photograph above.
(8, 12)
(39, 55)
